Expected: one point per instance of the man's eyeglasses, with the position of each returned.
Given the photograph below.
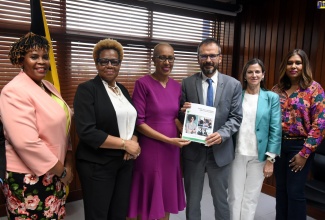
(163, 58)
(212, 56)
(105, 62)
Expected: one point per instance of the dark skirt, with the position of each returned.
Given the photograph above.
(34, 197)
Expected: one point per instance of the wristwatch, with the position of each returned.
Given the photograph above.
(64, 173)
(272, 160)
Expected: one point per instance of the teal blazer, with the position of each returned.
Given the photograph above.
(268, 127)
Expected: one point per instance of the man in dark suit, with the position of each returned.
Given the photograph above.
(215, 156)
(2, 155)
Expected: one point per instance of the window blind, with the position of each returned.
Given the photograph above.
(77, 25)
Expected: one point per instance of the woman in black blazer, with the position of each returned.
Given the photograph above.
(105, 122)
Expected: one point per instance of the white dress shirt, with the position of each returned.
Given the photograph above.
(205, 86)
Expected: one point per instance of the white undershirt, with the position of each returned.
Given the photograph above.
(246, 138)
(125, 112)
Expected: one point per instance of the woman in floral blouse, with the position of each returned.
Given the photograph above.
(303, 123)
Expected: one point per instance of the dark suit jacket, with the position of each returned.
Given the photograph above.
(95, 119)
(228, 114)
(2, 153)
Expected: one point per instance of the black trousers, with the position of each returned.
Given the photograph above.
(290, 186)
(106, 188)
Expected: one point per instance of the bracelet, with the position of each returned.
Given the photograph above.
(272, 160)
(123, 145)
(1, 181)
(64, 173)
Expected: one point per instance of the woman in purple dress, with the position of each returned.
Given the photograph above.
(157, 187)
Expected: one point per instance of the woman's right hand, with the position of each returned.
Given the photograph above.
(268, 169)
(68, 178)
(132, 147)
(186, 105)
(179, 142)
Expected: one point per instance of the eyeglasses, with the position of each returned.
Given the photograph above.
(212, 56)
(163, 59)
(105, 62)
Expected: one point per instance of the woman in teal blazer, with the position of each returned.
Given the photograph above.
(258, 142)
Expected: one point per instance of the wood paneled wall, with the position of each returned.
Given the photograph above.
(268, 30)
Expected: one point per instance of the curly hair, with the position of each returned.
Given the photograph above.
(247, 65)
(107, 44)
(21, 47)
(306, 76)
(190, 116)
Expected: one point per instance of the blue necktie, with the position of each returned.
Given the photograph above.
(210, 93)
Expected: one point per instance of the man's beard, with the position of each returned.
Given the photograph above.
(208, 72)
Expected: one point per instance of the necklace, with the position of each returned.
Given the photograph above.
(44, 89)
(115, 89)
(42, 86)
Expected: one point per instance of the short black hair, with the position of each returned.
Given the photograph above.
(209, 40)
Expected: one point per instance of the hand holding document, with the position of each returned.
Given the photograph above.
(198, 122)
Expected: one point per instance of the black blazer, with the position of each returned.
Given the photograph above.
(95, 119)
(2, 153)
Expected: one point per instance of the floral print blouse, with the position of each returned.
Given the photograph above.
(303, 114)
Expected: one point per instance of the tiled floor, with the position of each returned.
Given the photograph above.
(265, 208)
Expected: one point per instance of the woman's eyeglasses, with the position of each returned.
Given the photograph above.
(105, 62)
(163, 59)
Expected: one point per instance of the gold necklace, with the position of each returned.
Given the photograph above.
(115, 89)
(42, 86)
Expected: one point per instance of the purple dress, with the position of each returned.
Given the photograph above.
(157, 185)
